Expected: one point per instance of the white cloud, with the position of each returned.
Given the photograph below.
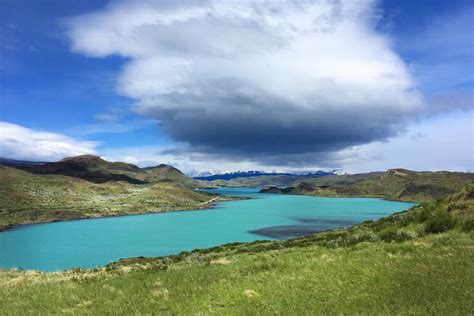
(18, 142)
(231, 77)
(444, 142)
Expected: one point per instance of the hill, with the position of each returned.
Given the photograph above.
(32, 198)
(414, 262)
(95, 169)
(394, 184)
(90, 168)
(165, 172)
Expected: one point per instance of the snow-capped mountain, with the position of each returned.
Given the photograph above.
(212, 175)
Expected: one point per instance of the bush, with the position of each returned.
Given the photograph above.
(396, 235)
(440, 223)
(427, 211)
(468, 225)
(359, 238)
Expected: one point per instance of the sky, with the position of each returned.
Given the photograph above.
(357, 85)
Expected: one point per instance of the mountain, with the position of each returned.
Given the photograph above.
(90, 168)
(208, 176)
(395, 184)
(95, 169)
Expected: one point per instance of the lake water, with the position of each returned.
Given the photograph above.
(96, 242)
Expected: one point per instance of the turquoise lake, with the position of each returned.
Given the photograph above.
(96, 242)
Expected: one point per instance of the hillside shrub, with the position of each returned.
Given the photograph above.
(362, 237)
(440, 223)
(468, 225)
(396, 235)
(427, 212)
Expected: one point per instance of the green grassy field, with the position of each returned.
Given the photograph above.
(414, 262)
(30, 198)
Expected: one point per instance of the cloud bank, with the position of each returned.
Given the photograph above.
(284, 83)
(19, 142)
(426, 145)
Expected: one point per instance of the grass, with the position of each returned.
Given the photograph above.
(431, 276)
(394, 184)
(29, 198)
(396, 265)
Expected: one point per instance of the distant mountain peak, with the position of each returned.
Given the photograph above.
(19, 163)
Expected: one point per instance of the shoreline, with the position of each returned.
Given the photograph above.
(350, 197)
(208, 205)
(200, 207)
(122, 261)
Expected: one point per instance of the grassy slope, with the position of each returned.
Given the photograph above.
(396, 184)
(165, 172)
(30, 198)
(415, 262)
(98, 170)
(91, 168)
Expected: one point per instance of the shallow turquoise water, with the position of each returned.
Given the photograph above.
(96, 242)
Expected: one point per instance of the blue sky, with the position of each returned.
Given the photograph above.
(45, 86)
(66, 90)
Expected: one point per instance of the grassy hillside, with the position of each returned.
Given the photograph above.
(91, 168)
(165, 172)
(414, 262)
(395, 184)
(98, 170)
(31, 198)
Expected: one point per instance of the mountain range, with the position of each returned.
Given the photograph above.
(211, 176)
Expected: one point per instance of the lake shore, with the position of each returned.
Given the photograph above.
(154, 236)
(199, 207)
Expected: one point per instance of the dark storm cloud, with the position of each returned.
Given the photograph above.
(265, 128)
